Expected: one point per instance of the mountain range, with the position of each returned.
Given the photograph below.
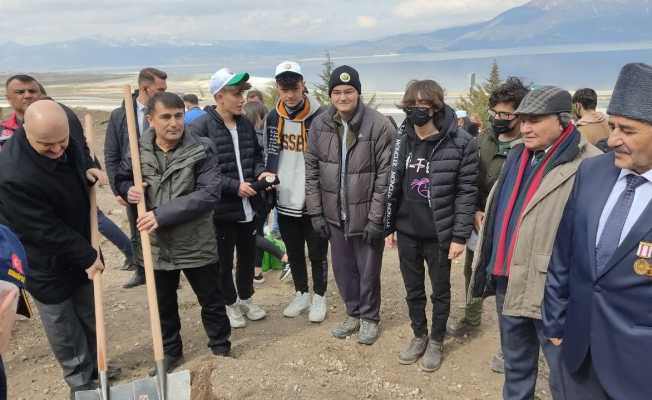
(536, 23)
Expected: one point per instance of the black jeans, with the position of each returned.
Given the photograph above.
(295, 233)
(204, 282)
(412, 252)
(242, 238)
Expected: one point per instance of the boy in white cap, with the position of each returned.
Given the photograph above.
(286, 136)
(240, 158)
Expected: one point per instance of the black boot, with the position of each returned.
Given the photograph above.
(137, 279)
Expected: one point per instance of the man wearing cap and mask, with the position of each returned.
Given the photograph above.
(13, 299)
(599, 290)
(287, 128)
(347, 166)
(515, 242)
(240, 160)
(45, 174)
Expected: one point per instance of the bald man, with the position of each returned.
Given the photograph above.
(45, 175)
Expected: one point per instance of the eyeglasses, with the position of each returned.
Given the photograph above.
(345, 93)
(502, 115)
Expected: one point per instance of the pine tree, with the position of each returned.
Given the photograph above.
(321, 89)
(494, 80)
(477, 101)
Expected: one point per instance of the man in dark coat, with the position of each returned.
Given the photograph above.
(240, 160)
(116, 148)
(44, 180)
(599, 288)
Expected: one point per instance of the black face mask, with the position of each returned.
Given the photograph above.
(501, 126)
(418, 116)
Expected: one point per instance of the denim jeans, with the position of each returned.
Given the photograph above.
(111, 231)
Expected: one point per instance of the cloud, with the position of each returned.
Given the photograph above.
(365, 21)
(210, 20)
(441, 8)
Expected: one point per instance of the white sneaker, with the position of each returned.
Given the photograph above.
(299, 304)
(253, 311)
(236, 319)
(317, 308)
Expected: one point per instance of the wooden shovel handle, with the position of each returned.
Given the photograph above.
(98, 287)
(152, 301)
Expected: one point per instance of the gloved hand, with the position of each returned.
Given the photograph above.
(320, 226)
(373, 233)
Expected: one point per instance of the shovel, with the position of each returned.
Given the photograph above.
(102, 393)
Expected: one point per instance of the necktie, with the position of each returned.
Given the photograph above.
(537, 157)
(613, 228)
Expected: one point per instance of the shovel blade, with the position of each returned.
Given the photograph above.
(178, 388)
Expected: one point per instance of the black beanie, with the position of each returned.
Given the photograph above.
(344, 75)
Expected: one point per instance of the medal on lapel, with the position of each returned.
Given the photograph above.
(644, 253)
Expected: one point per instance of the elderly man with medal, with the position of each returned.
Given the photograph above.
(598, 296)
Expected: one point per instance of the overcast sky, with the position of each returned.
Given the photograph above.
(40, 21)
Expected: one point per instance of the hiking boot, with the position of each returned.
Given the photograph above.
(169, 364)
(347, 328)
(461, 328)
(137, 279)
(431, 359)
(498, 363)
(414, 350)
(252, 310)
(236, 319)
(369, 332)
(299, 304)
(317, 308)
(285, 273)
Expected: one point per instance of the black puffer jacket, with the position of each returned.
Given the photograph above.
(453, 180)
(211, 125)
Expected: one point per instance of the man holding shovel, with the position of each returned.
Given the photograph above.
(182, 186)
(45, 175)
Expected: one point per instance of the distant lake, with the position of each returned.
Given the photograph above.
(571, 67)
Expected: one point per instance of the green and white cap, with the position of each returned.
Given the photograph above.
(224, 77)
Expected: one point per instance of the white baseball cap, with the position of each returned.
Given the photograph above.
(461, 114)
(288, 66)
(224, 77)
